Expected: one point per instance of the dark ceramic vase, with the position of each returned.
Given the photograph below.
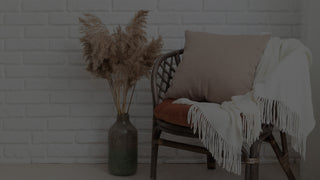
(123, 148)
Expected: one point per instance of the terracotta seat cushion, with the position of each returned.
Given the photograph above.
(172, 113)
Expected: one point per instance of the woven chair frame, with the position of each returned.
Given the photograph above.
(161, 79)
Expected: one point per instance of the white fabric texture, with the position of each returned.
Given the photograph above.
(281, 95)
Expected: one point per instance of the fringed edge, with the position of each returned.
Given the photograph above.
(251, 128)
(226, 155)
(278, 114)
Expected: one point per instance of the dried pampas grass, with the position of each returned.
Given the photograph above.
(122, 57)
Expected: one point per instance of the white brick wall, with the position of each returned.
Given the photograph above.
(52, 110)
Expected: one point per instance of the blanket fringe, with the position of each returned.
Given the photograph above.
(226, 155)
(251, 128)
(278, 114)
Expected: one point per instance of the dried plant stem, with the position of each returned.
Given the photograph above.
(124, 98)
(132, 92)
(113, 92)
(118, 99)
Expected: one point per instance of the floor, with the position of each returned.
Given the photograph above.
(100, 172)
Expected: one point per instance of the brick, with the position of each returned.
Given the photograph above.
(74, 32)
(11, 111)
(10, 58)
(269, 5)
(68, 72)
(92, 5)
(143, 97)
(297, 31)
(144, 137)
(64, 18)
(43, 5)
(45, 32)
(102, 97)
(70, 97)
(11, 32)
(7, 6)
(225, 5)
(172, 44)
(102, 123)
(27, 97)
(297, 5)
(92, 110)
(247, 18)
(76, 58)
(45, 84)
(26, 44)
(26, 19)
(281, 31)
(116, 18)
(143, 84)
(141, 110)
(80, 123)
(83, 84)
(59, 137)
(142, 123)
(69, 124)
(1, 45)
(258, 29)
(44, 110)
(64, 45)
(285, 18)
(180, 5)
(24, 124)
(164, 18)
(128, 5)
(20, 151)
(14, 137)
(98, 150)
(204, 18)
(144, 151)
(26, 72)
(92, 137)
(44, 58)
(11, 84)
(226, 29)
(2, 99)
(68, 150)
(176, 32)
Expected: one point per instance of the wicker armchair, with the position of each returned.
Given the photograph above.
(162, 74)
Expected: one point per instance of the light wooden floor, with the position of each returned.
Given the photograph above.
(100, 172)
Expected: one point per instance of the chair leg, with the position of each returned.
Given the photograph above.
(154, 154)
(252, 164)
(282, 156)
(211, 162)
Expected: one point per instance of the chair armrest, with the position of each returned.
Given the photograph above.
(160, 63)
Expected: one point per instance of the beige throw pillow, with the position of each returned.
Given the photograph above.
(217, 67)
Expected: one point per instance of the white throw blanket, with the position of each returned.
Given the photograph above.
(281, 89)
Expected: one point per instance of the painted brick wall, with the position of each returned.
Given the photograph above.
(53, 111)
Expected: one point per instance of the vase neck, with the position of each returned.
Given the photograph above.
(123, 117)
